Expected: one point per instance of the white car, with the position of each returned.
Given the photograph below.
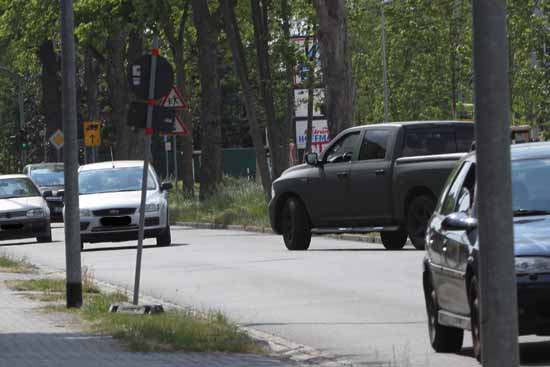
(23, 211)
(109, 200)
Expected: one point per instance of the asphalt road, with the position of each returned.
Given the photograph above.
(352, 299)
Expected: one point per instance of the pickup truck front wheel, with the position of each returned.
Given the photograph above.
(295, 226)
(394, 240)
(418, 215)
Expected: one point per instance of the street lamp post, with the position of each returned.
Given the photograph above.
(384, 60)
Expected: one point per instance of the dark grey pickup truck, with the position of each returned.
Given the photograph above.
(376, 178)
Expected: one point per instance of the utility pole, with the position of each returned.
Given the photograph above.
(72, 217)
(175, 158)
(384, 61)
(497, 278)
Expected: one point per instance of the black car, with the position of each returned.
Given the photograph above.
(49, 177)
(450, 275)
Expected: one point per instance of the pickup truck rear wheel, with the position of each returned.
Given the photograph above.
(394, 240)
(418, 215)
(295, 226)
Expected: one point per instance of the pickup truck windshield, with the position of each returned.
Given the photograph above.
(530, 187)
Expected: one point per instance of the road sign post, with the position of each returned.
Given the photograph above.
(57, 139)
(71, 217)
(148, 134)
(497, 276)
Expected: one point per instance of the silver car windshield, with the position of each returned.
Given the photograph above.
(113, 180)
(48, 177)
(17, 188)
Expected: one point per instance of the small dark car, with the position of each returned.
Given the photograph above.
(49, 177)
(450, 275)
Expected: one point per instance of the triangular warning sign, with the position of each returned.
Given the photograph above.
(180, 128)
(174, 99)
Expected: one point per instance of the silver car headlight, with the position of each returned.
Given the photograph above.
(530, 265)
(152, 208)
(85, 213)
(35, 213)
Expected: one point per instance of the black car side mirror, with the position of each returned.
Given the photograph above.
(47, 194)
(459, 222)
(165, 186)
(312, 159)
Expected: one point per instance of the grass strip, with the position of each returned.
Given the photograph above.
(12, 264)
(170, 331)
(237, 201)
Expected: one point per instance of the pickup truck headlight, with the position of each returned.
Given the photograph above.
(531, 265)
(152, 208)
(35, 213)
(85, 213)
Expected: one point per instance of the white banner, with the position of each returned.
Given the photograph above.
(319, 135)
(301, 97)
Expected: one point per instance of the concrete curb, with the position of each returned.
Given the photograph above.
(371, 238)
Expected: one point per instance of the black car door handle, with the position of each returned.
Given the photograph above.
(342, 175)
(380, 172)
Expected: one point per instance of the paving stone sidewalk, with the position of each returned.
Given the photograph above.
(30, 337)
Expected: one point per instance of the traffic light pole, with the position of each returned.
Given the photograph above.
(497, 279)
(72, 217)
(147, 154)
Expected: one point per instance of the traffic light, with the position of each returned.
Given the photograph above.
(23, 139)
(81, 155)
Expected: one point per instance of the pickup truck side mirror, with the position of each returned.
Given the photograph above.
(459, 222)
(47, 194)
(60, 193)
(165, 186)
(312, 159)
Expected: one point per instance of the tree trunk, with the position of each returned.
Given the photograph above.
(91, 77)
(211, 99)
(176, 45)
(239, 61)
(51, 95)
(278, 141)
(336, 62)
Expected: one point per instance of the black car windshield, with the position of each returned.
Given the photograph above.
(531, 193)
(17, 188)
(48, 177)
(113, 180)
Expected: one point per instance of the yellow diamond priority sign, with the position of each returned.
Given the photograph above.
(57, 139)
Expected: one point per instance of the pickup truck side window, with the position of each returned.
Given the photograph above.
(343, 149)
(375, 144)
(421, 142)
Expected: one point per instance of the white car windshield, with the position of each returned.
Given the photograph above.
(113, 180)
(17, 188)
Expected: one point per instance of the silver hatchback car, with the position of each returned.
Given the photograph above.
(110, 196)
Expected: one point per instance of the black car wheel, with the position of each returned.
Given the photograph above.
(46, 238)
(394, 240)
(474, 318)
(295, 226)
(418, 215)
(444, 339)
(165, 238)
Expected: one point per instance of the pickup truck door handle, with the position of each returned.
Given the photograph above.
(380, 172)
(342, 175)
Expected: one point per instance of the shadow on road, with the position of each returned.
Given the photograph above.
(118, 248)
(359, 249)
(531, 353)
(28, 243)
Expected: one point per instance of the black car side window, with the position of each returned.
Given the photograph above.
(466, 198)
(375, 145)
(343, 149)
(451, 200)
